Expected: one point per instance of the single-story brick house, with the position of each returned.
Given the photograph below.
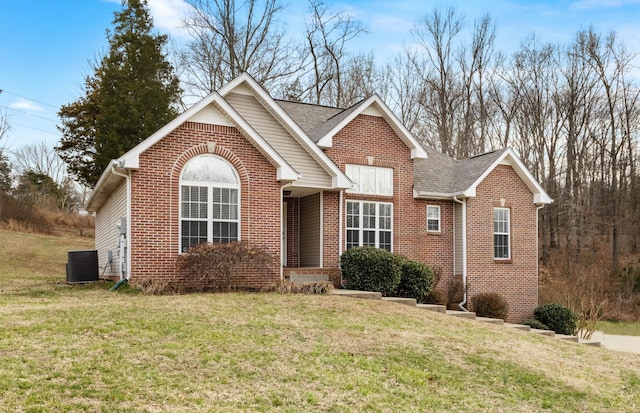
(306, 182)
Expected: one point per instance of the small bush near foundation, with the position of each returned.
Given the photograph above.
(536, 324)
(317, 288)
(490, 305)
(557, 317)
(371, 269)
(155, 287)
(455, 293)
(288, 287)
(216, 263)
(416, 280)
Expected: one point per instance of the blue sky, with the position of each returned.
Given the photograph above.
(45, 45)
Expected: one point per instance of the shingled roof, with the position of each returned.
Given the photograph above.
(441, 175)
(316, 120)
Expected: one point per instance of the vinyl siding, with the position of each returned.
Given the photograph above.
(313, 175)
(458, 261)
(107, 234)
(210, 115)
(310, 231)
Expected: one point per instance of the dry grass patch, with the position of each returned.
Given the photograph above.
(87, 349)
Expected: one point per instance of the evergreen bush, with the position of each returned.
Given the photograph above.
(371, 269)
(557, 317)
(416, 280)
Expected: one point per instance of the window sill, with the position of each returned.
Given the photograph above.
(436, 233)
(497, 261)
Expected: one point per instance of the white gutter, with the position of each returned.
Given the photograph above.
(340, 222)
(464, 252)
(114, 170)
(538, 208)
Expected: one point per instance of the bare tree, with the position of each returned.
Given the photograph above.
(327, 35)
(609, 60)
(40, 158)
(5, 165)
(229, 38)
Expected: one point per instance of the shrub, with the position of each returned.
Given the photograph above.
(416, 280)
(536, 324)
(216, 263)
(371, 269)
(288, 287)
(490, 305)
(455, 293)
(557, 317)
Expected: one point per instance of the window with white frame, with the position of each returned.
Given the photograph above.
(209, 202)
(369, 224)
(501, 233)
(372, 180)
(433, 218)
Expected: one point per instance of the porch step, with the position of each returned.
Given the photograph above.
(573, 339)
(549, 333)
(308, 278)
(370, 295)
(521, 327)
(433, 307)
(470, 315)
(496, 321)
(401, 300)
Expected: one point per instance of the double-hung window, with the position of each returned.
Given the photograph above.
(501, 233)
(209, 202)
(433, 218)
(369, 224)
(372, 180)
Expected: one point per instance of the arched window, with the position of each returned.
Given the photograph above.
(209, 202)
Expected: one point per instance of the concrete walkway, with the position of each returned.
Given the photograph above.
(627, 344)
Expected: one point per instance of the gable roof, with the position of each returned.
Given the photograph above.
(321, 123)
(131, 159)
(340, 180)
(443, 177)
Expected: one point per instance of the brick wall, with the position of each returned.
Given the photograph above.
(371, 136)
(155, 201)
(516, 279)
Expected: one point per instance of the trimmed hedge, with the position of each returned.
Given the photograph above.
(557, 317)
(416, 280)
(491, 305)
(536, 324)
(371, 269)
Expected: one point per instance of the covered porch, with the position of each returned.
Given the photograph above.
(311, 235)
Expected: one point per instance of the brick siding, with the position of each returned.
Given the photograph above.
(155, 201)
(517, 279)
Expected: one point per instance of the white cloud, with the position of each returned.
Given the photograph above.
(168, 14)
(25, 104)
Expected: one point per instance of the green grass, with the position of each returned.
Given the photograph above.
(622, 328)
(87, 349)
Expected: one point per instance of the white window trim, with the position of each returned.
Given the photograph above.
(209, 186)
(438, 219)
(377, 228)
(355, 171)
(508, 234)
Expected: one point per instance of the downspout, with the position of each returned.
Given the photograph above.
(464, 252)
(538, 208)
(125, 279)
(340, 221)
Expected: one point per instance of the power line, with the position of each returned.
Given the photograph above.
(29, 114)
(24, 97)
(31, 127)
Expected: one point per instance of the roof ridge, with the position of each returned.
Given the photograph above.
(309, 104)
